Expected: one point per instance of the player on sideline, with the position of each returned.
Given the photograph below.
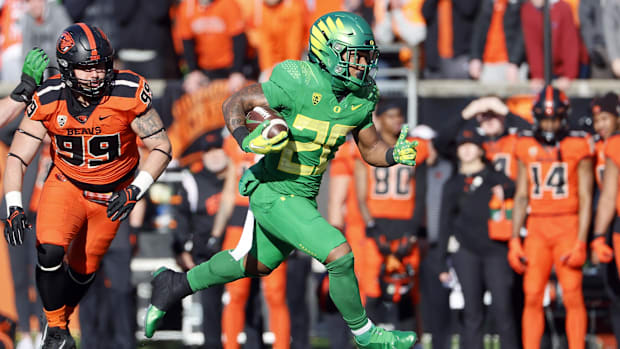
(93, 114)
(321, 101)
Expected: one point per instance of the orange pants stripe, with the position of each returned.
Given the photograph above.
(67, 219)
(274, 291)
(548, 239)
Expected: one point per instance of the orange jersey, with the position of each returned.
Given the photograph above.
(552, 172)
(242, 161)
(212, 28)
(343, 164)
(495, 49)
(272, 46)
(612, 151)
(96, 147)
(11, 33)
(599, 165)
(391, 190)
(501, 153)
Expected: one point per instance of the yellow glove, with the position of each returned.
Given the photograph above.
(256, 143)
(404, 150)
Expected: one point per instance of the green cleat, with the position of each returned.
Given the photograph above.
(168, 287)
(383, 339)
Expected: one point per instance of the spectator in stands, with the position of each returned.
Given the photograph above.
(447, 47)
(11, 39)
(605, 112)
(611, 28)
(591, 26)
(146, 42)
(399, 21)
(42, 24)
(497, 48)
(265, 34)
(564, 43)
(214, 44)
(473, 211)
(200, 200)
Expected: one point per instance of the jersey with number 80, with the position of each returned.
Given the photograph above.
(552, 172)
(97, 145)
(318, 124)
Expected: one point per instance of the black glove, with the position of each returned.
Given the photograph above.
(214, 245)
(372, 231)
(122, 202)
(16, 225)
(404, 248)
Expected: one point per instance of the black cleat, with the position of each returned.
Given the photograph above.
(57, 338)
(168, 288)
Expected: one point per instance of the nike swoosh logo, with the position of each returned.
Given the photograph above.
(355, 107)
(104, 117)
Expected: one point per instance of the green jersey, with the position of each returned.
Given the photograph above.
(318, 125)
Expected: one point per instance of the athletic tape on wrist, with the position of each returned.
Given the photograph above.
(13, 198)
(143, 181)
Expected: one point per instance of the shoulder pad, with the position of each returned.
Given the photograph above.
(577, 133)
(50, 90)
(289, 69)
(130, 91)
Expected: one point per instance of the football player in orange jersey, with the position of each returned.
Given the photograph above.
(555, 179)
(386, 197)
(605, 112)
(93, 114)
(229, 225)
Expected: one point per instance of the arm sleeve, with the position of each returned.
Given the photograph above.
(240, 44)
(533, 41)
(480, 29)
(568, 39)
(516, 46)
(189, 53)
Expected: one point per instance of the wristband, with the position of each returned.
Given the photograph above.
(13, 198)
(143, 181)
(389, 157)
(239, 134)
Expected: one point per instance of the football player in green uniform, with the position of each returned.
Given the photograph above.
(321, 100)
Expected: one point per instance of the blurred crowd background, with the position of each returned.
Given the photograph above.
(444, 64)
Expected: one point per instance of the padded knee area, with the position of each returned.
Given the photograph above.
(79, 278)
(342, 264)
(50, 256)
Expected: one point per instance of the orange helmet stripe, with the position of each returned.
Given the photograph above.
(91, 41)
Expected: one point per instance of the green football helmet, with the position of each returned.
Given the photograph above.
(337, 41)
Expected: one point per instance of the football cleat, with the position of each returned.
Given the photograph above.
(168, 288)
(57, 338)
(383, 339)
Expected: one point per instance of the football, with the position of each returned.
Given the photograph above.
(259, 114)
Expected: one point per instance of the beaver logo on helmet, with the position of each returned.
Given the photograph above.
(66, 42)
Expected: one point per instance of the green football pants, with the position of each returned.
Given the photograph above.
(285, 222)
